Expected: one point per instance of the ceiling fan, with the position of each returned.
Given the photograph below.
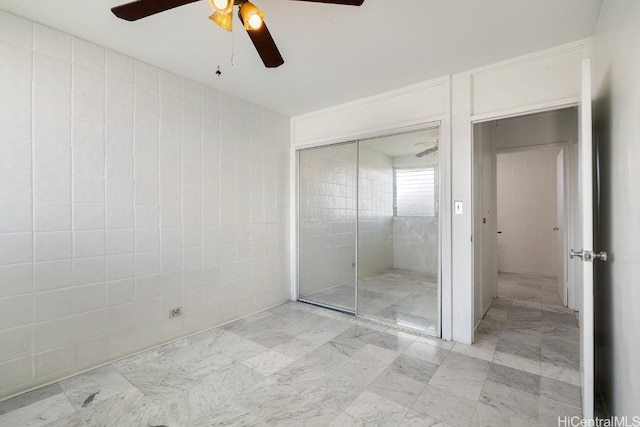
(428, 150)
(250, 16)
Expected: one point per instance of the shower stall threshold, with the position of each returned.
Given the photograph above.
(329, 307)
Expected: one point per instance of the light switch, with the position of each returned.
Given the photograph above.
(457, 207)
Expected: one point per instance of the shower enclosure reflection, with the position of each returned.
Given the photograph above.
(398, 230)
(327, 225)
(368, 228)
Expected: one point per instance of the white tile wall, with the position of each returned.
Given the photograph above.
(111, 209)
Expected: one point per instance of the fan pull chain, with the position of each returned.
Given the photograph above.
(218, 72)
(233, 47)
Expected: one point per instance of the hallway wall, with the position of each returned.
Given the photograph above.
(526, 201)
(126, 191)
(616, 89)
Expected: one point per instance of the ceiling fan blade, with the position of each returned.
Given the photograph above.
(265, 46)
(344, 2)
(143, 8)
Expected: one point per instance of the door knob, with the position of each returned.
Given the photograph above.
(602, 255)
(588, 255)
(573, 254)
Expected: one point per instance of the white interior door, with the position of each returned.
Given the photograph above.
(585, 194)
(489, 265)
(560, 228)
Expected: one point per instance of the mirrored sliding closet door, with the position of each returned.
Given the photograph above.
(399, 231)
(327, 225)
(369, 229)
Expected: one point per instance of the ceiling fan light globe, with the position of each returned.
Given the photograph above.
(255, 22)
(252, 16)
(221, 6)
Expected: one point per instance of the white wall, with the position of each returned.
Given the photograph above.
(527, 211)
(548, 128)
(125, 191)
(616, 88)
(407, 106)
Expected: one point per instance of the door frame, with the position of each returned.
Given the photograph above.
(516, 112)
(581, 302)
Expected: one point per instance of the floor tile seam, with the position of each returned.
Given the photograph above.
(78, 411)
(406, 408)
(465, 376)
(25, 407)
(519, 370)
(538, 397)
(517, 388)
(292, 392)
(561, 403)
(397, 373)
(413, 401)
(474, 409)
(520, 345)
(88, 409)
(560, 381)
(508, 366)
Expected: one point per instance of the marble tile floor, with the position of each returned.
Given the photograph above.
(397, 297)
(300, 365)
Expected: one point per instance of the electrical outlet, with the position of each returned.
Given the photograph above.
(175, 312)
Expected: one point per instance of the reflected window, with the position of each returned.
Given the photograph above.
(414, 191)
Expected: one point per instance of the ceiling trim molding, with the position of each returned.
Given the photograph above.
(583, 45)
(440, 81)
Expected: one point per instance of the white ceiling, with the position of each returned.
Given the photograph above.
(333, 54)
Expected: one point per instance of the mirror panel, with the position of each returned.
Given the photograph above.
(327, 225)
(398, 230)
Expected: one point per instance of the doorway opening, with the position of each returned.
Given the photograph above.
(525, 208)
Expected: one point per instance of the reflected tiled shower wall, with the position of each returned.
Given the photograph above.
(375, 212)
(126, 191)
(327, 213)
(327, 217)
(416, 239)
